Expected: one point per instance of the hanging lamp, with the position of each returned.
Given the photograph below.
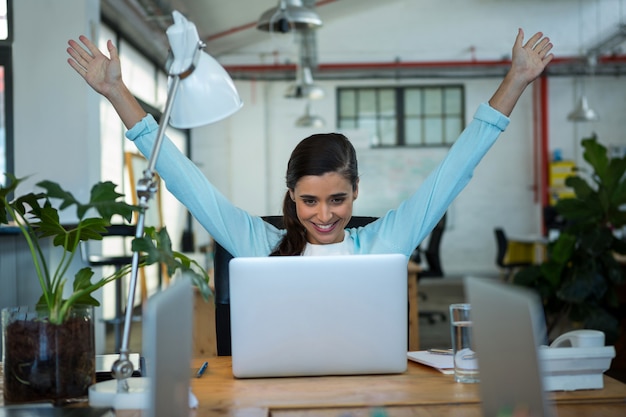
(287, 16)
(582, 112)
(309, 120)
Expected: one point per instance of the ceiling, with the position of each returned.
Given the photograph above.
(224, 25)
(227, 26)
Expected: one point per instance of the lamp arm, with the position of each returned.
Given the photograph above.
(122, 368)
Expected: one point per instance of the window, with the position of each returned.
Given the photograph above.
(6, 93)
(403, 116)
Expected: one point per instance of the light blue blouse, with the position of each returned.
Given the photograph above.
(398, 231)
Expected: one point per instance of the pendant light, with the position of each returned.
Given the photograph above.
(287, 16)
(309, 120)
(304, 86)
(582, 112)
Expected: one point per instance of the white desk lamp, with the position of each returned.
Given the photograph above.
(200, 92)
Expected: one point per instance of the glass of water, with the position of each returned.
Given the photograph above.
(465, 360)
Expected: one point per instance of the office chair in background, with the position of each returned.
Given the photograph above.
(506, 266)
(221, 259)
(433, 266)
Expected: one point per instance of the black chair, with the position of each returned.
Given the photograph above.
(433, 266)
(506, 267)
(221, 258)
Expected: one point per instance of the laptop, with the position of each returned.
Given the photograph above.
(318, 315)
(508, 327)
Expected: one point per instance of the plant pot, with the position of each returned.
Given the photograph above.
(44, 361)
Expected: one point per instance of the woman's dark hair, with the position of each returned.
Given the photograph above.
(316, 155)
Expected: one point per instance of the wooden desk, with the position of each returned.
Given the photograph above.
(414, 335)
(421, 391)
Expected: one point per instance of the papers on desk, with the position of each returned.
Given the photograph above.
(442, 363)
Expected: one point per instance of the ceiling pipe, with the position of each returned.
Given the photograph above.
(613, 65)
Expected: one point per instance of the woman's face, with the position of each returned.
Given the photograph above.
(324, 206)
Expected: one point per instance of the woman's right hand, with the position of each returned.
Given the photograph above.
(101, 73)
(104, 75)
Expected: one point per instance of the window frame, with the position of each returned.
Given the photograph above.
(6, 61)
(400, 116)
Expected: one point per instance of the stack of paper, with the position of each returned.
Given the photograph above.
(441, 362)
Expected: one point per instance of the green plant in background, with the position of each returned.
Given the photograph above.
(37, 218)
(580, 278)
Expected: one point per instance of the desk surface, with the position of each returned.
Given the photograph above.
(421, 391)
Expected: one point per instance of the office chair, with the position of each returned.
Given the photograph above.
(221, 259)
(434, 268)
(506, 267)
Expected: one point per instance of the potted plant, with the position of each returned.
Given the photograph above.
(581, 279)
(49, 351)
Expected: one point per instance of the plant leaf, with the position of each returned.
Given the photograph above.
(107, 202)
(597, 156)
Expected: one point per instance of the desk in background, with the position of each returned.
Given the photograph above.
(527, 248)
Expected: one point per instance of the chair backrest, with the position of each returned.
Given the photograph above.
(502, 244)
(432, 252)
(221, 258)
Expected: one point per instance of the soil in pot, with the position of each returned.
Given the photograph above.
(44, 361)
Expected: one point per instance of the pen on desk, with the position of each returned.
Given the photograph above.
(440, 351)
(202, 369)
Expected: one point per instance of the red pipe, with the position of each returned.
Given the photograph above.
(409, 64)
(545, 142)
(541, 145)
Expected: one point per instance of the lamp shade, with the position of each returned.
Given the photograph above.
(206, 96)
(205, 92)
(582, 112)
(288, 15)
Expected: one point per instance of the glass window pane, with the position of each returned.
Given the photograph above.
(387, 99)
(161, 90)
(347, 103)
(452, 101)
(413, 102)
(453, 128)
(347, 124)
(433, 101)
(369, 125)
(433, 131)
(367, 103)
(388, 131)
(138, 73)
(413, 131)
